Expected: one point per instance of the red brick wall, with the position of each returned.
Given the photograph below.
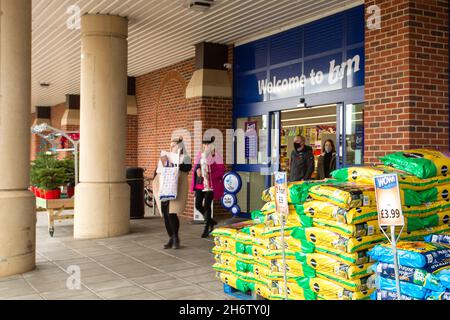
(163, 108)
(57, 114)
(406, 83)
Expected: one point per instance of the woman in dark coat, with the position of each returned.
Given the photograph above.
(327, 160)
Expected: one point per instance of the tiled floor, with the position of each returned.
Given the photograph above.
(134, 267)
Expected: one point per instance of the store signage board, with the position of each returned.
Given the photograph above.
(232, 183)
(390, 214)
(282, 208)
(251, 140)
(281, 198)
(389, 203)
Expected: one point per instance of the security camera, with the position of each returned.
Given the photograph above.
(228, 66)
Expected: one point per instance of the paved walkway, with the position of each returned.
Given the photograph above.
(132, 267)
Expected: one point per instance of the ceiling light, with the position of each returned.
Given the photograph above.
(302, 109)
(309, 118)
(310, 124)
(200, 5)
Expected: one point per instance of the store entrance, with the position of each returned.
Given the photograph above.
(317, 125)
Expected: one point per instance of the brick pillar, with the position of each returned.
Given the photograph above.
(406, 83)
(70, 121)
(210, 93)
(132, 124)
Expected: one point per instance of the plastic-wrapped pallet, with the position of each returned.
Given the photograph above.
(424, 271)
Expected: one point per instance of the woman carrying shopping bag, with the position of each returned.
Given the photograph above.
(207, 182)
(170, 188)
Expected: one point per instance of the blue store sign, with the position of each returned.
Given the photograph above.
(321, 56)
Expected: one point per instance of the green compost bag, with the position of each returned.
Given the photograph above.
(438, 193)
(299, 193)
(420, 162)
(365, 175)
(258, 216)
(305, 246)
(419, 223)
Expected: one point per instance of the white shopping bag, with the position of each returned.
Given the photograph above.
(168, 183)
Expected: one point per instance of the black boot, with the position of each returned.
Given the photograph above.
(212, 225)
(176, 242)
(169, 244)
(206, 231)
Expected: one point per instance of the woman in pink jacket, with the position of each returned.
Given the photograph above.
(204, 197)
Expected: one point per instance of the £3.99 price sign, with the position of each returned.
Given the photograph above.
(281, 198)
(389, 203)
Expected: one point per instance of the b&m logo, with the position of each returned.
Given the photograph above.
(386, 182)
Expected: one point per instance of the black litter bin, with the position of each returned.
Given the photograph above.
(135, 179)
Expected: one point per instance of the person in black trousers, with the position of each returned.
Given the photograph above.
(171, 209)
(203, 197)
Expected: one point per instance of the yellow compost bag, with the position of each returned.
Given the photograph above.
(268, 254)
(443, 180)
(268, 195)
(420, 234)
(304, 246)
(233, 263)
(353, 285)
(222, 268)
(274, 219)
(349, 195)
(435, 220)
(261, 272)
(359, 230)
(345, 196)
(326, 289)
(329, 211)
(335, 241)
(353, 296)
(326, 264)
(221, 250)
(420, 162)
(425, 210)
(275, 243)
(234, 281)
(269, 208)
(243, 238)
(438, 193)
(261, 261)
(245, 257)
(360, 175)
(263, 231)
(365, 175)
(293, 267)
(409, 181)
(294, 291)
(227, 243)
(263, 290)
(231, 245)
(231, 231)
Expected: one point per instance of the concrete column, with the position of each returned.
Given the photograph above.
(17, 205)
(102, 201)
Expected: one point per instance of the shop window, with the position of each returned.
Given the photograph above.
(251, 149)
(354, 134)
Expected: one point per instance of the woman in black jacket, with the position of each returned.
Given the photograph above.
(327, 160)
